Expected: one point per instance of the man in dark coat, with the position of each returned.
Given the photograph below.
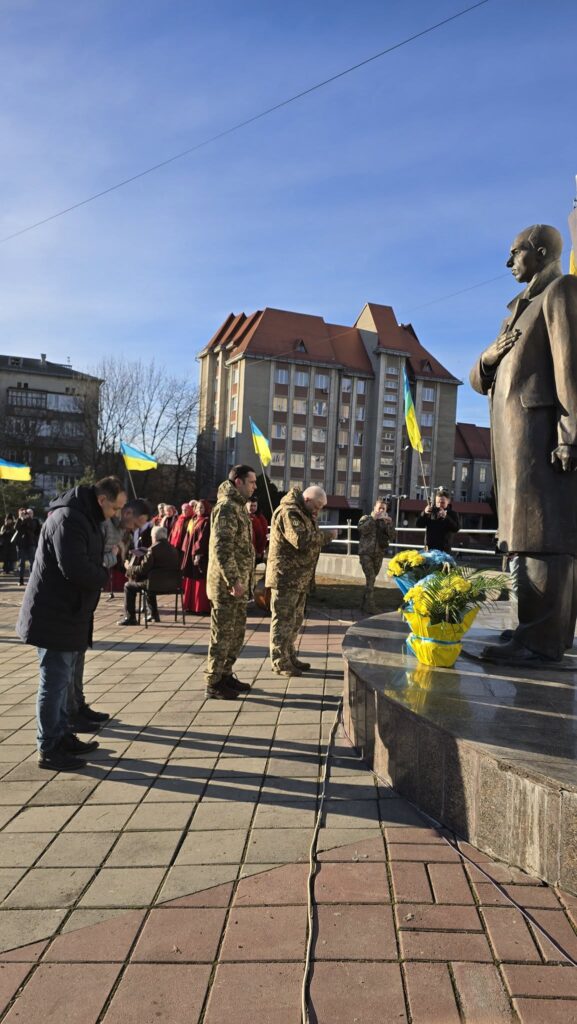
(58, 609)
(530, 375)
(440, 522)
(160, 555)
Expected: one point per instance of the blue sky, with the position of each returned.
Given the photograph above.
(400, 183)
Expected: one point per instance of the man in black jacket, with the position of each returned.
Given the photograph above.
(58, 609)
(440, 523)
(160, 555)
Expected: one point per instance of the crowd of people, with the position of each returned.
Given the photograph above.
(95, 538)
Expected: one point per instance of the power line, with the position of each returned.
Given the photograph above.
(452, 295)
(243, 124)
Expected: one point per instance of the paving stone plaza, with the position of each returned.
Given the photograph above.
(168, 881)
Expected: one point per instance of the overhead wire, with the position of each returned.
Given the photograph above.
(243, 124)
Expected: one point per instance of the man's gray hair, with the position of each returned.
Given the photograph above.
(158, 533)
(315, 493)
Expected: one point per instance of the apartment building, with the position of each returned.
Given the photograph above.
(472, 478)
(330, 399)
(48, 419)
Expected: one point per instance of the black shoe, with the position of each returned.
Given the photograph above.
(220, 691)
(513, 653)
(58, 761)
(20, 582)
(90, 715)
(70, 744)
(81, 724)
(234, 683)
(130, 620)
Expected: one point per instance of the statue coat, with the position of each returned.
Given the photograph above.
(533, 403)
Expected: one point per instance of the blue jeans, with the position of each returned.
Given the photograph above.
(56, 680)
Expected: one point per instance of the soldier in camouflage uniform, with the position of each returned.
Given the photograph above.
(229, 581)
(294, 547)
(375, 532)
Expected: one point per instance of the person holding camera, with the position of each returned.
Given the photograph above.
(375, 530)
(440, 522)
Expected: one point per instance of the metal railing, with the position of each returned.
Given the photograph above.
(352, 542)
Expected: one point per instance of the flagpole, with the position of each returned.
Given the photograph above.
(266, 484)
(424, 477)
(131, 481)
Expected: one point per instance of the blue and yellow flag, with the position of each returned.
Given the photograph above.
(411, 417)
(261, 445)
(573, 230)
(14, 471)
(135, 459)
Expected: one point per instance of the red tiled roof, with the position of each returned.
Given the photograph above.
(472, 442)
(402, 338)
(281, 334)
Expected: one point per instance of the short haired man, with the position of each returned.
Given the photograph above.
(160, 555)
(294, 547)
(440, 522)
(375, 531)
(57, 613)
(229, 579)
(26, 534)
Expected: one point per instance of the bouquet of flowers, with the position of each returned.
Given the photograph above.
(441, 609)
(408, 567)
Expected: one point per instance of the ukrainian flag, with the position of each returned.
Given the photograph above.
(14, 471)
(261, 445)
(411, 417)
(135, 459)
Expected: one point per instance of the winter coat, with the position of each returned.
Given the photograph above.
(26, 533)
(160, 555)
(230, 550)
(374, 536)
(195, 548)
(439, 531)
(259, 534)
(533, 402)
(294, 545)
(67, 576)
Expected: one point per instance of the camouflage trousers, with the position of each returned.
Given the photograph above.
(227, 627)
(287, 608)
(371, 566)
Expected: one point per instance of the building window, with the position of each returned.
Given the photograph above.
(482, 495)
(356, 465)
(386, 461)
(297, 459)
(319, 435)
(341, 463)
(277, 458)
(343, 438)
(385, 473)
(340, 487)
(321, 381)
(280, 404)
(233, 402)
(389, 410)
(391, 385)
(355, 490)
(235, 375)
(426, 419)
(360, 413)
(427, 444)
(389, 423)
(428, 395)
(344, 413)
(358, 438)
(361, 387)
(301, 379)
(296, 483)
(317, 462)
(299, 434)
(388, 448)
(482, 474)
(347, 385)
(385, 487)
(388, 435)
(320, 408)
(453, 474)
(299, 407)
(393, 370)
(279, 430)
(464, 473)
(278, 482)
(281, 376)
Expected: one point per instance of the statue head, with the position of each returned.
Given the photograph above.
(533, 249)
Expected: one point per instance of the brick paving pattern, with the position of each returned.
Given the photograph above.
(167, 882)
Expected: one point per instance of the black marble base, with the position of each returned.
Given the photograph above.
(488, 750)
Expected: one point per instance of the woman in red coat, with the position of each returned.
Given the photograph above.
(195, 560)
(181, 523)
(259, 530)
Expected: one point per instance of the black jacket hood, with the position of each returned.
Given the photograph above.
(81, 499)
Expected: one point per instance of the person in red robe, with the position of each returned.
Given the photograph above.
(178, 532)
(195, 560)
(259, 530)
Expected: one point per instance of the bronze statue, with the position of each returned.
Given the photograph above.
(530, 375)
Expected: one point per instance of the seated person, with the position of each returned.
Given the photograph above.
(160, 555)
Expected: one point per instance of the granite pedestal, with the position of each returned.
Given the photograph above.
(488, 751)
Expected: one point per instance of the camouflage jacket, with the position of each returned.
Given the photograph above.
(230, 550)
(294, 545)
(374, 536)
